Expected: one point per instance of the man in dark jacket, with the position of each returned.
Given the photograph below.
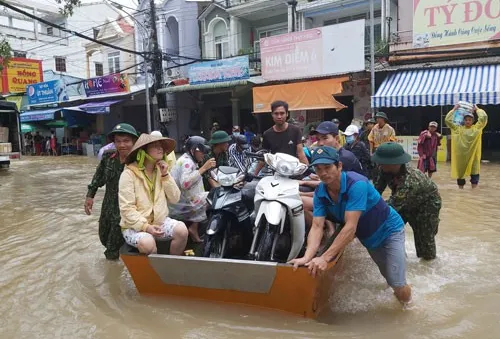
(358, 148)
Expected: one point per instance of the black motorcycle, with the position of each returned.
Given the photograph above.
(229, 228)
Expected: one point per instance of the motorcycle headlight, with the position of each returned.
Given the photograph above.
(285, 168)
(227, 179)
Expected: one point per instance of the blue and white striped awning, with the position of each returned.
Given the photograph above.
(440, 87)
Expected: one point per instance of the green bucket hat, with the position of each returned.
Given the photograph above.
(391, 153)
(123, 129)
(219, 137)
(381, 115)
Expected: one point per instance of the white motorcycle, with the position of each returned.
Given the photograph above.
(279, 231)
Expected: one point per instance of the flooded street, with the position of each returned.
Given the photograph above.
(56, 283)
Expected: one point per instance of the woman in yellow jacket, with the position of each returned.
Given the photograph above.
(466, 146)
(145, 190)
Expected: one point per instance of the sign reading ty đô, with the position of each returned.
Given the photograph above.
(445, 22)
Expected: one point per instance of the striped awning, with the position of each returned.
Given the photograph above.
(440, 87)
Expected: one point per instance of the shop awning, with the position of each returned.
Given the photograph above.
(39, 115)
(439, 87)
(98, 107)
(307, 95)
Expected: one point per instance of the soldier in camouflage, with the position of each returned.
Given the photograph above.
(108, 173)
(414, 196)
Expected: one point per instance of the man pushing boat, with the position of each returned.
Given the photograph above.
(353, 200)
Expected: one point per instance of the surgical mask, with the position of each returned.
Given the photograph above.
(350, 139)
(236, 134)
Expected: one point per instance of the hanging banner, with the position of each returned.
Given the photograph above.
(19, 73)
(329, 50)
(219, 70)
(108, 84)
(47, 92)
(441, 22)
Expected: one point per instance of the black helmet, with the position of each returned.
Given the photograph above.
(241, 141)
(196, 143)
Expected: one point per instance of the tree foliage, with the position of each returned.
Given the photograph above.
(5, 53)
(68, 6)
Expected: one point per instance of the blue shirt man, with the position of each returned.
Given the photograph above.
(351, 199)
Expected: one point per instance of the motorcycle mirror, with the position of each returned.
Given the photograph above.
(249, 177)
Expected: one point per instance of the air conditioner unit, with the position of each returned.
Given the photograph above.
(172, 73)
(167, 114)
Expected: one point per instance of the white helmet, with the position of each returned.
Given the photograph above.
(351, 130)
(156, 134)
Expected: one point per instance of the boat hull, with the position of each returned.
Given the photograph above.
(262, 284)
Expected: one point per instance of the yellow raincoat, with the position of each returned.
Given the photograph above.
(466, 145)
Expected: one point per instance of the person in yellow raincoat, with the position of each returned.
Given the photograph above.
(466, 146)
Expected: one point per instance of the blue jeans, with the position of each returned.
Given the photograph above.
(390, 258)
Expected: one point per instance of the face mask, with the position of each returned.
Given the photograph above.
(350, 139)
(236, 134)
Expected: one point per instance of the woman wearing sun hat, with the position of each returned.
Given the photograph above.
(108, 173)
(146, 189)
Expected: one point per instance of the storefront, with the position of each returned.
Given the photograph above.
(216, 91)
(413, 98)
(308, 101)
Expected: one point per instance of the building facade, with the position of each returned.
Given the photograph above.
(59, 51)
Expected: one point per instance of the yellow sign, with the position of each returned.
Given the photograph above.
(17, 99)
(442, 153)
(19, 73)
(445, 22)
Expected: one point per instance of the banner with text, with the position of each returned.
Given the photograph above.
(108, 84)
(329, 50)
(47, 92)
(445, 22)
(19, 73)
(219, 70)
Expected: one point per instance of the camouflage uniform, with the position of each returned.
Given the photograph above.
(416, 198)
(108, 173)
(221, 160)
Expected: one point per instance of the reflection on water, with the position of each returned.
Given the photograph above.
(55, 282)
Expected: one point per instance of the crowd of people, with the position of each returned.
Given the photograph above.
(151, 195)
(40, 145)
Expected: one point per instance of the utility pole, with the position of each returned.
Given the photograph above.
(157, 63)
(372, 50)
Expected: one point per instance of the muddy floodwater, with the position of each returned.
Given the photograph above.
(55, 282)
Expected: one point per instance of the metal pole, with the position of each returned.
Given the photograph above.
(372, 50)
(148, 105)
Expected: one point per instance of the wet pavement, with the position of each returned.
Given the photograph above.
(55, 282)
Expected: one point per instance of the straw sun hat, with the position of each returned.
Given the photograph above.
(146, 139)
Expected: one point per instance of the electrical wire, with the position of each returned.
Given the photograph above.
(34, 17)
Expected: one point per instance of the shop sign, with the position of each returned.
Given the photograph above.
(329, 50)
(113, 83)
(19, 73)
(219, 70)
(445, 22)
(47, 92)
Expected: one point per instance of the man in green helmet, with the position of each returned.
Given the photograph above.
(108, 173)
(414, 195)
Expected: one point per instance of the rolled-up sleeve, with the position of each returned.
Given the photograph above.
(131, 218)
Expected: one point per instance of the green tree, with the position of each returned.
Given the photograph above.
(68, 6)
(5, 53)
